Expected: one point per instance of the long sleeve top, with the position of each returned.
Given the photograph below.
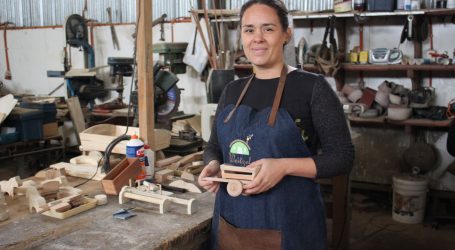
(315, 109)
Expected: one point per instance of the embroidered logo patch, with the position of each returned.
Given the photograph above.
(239, 152)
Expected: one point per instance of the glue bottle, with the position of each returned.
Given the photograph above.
(149, 161)
(132, 146)
(142, 172)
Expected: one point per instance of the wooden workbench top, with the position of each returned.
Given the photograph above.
(97, 229)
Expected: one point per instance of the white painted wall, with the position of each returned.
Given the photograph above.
(34, 51)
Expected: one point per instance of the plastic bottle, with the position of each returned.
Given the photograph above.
(133, 145)
(407, 4)
(359, 5)
(142, 173)
(149, 161)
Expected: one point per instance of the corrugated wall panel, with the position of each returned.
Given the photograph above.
(54, 12)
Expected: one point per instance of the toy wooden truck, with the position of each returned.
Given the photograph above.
(235, 178)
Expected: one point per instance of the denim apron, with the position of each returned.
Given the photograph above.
(293, 209)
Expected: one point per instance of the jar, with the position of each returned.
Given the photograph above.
(407, 4)
(359, 5)
(415, 4)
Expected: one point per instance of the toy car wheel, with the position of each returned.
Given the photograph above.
(234, 188)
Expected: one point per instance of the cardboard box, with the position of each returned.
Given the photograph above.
(50, 129)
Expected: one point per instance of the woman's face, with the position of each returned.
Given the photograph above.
(263, 36)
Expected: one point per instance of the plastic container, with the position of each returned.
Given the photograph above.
(409, 198)
(28, 123)
(132, 146)
(49, 110)
(149, 161)
(142, 173)
(407, 4)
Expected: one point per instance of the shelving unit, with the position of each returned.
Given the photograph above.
(341, 184)
(412, 71)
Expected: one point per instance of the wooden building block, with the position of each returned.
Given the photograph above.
(167, 161)
(10, 185)
(61, 207)
(162, 175)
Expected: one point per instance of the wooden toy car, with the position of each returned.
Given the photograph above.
(235, 178)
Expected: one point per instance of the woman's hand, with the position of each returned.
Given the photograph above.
(269, 175)
(211, 170)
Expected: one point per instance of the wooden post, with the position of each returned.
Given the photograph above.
(145, 72)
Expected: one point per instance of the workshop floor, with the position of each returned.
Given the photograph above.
(372, 227)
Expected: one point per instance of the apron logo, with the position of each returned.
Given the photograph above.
(239, 152)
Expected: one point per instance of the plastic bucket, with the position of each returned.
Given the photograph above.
(409, 198)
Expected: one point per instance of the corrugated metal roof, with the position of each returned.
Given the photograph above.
(54, 12)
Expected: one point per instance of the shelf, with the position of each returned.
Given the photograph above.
(303, 15)
(409, 122)
(224, 15)
(396, 67)
(373, 68)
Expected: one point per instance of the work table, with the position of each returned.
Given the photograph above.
(98, 229)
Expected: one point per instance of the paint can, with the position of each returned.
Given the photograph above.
(409, 198)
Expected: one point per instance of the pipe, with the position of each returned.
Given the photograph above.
(8, 69)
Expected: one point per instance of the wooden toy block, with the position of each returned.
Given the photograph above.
(10, 185)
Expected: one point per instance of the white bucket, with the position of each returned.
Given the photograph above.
(409, 198)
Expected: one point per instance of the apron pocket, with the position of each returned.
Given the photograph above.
(230, 238)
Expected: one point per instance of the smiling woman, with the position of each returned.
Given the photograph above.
(264, 35)
(286, 121)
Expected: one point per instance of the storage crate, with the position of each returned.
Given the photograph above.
(9, 138)
(97, 138)
(120, 175)
(380, 5)
(49, 110)
(28, 123)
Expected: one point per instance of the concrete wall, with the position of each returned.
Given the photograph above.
(34, 51)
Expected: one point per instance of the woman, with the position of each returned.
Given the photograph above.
(277, 119)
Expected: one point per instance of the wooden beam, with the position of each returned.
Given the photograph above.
(145, 72)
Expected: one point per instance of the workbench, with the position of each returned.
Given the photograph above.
(97, 229)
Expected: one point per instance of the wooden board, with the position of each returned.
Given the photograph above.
(85, 171)
(89, 203)
(97, 138)
(76, 115)
(7, 104)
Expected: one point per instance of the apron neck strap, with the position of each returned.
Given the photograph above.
(278, 95)
(276, 100)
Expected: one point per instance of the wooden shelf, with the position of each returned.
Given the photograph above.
(373, 68)
(409, 122)
(396, 67)
(233, 15)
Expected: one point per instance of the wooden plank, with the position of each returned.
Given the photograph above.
(76, 115)
(167, 161)
(145, 73)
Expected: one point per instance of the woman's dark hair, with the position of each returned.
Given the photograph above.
(277, 5)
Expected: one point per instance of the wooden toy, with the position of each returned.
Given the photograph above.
(235, 177)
